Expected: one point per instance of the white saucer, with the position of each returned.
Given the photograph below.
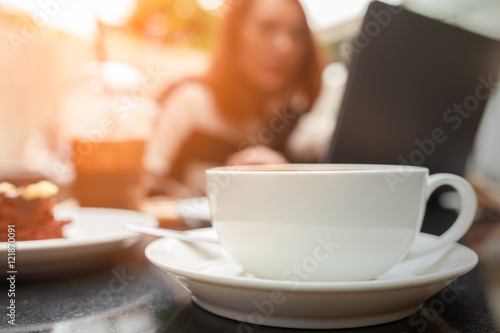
(91, 234)
(220, 286)
(195, 209)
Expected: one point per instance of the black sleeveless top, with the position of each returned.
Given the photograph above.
(205, 147)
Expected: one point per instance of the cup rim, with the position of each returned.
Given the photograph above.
(318, 168)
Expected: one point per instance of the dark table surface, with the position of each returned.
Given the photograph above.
(131, 295)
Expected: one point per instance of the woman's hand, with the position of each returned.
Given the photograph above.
(256, 155)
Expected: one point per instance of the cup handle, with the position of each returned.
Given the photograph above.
(464, 220)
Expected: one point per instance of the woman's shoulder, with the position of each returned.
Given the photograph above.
(190, 91)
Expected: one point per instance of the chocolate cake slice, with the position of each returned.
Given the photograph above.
(30, 210)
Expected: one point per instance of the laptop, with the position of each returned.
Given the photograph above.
(416, 91)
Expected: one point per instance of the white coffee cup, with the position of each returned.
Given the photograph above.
(327, 222)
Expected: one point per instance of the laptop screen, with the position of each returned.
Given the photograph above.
(416, 92)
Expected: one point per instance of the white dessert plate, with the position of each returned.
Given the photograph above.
(92, 234)
(220, 286)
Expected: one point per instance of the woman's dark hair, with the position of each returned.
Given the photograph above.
(223, 75)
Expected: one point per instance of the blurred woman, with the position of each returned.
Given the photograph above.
(265, 73)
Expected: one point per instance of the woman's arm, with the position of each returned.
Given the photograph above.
(173, 125)
(256, 155)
